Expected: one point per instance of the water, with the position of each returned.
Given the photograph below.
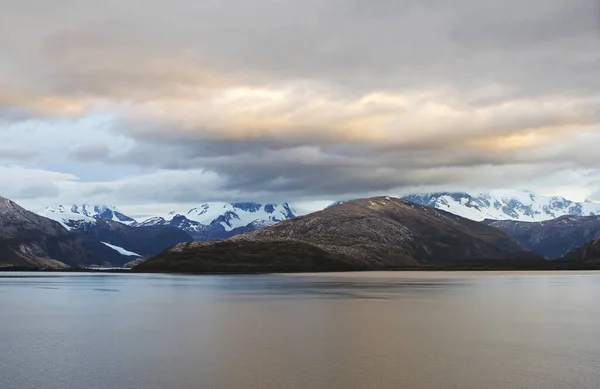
(358, 330)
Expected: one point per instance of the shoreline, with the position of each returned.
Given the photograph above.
(555, 266)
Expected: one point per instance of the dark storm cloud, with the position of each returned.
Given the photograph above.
(300, 170)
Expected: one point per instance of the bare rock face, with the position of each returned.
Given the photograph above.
(15, 220)
(28, 240)
(375, 233)
(552, 238)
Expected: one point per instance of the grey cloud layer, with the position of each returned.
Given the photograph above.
(334, 171)
(82, 47)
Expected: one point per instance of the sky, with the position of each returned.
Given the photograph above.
(157, 105)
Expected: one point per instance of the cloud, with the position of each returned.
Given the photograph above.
(595, 196)
(290, 100)
(36, 190)
(21, 183)
(90, 152)
(8, 154)
(303, 114)
(135, 50)
(288, 170)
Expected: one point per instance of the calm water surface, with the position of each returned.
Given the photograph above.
(359, 330)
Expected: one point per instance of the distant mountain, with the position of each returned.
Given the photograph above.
(72, 215)
(588, 254)
(505, 205)
(142, 241)
(552, 238)
(366, 234)
(29, 240)
(223, 220)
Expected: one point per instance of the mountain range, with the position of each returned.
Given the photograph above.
(218, 220)
(223, 220)
(206, 222)
(70, 216)
(113, 239)
(367, 234)
(505, 205)
(108, 237)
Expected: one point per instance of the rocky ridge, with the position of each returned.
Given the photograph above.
(367, 234)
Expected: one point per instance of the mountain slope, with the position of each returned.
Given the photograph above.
(553, 238)
(30, 240)
(505, 205)
(588, 254)
(222, 220)
(144, 240)
(365, 234)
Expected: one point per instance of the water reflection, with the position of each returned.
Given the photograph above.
(384, 330)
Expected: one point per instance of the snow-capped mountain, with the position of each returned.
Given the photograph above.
(28, 240)
(105, 212)
(74, 215)
(222, 220)
(505, 205)
(236, 215)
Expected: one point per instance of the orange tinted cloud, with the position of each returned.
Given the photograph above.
(45, 105)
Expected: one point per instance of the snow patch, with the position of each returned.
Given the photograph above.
(121, 250)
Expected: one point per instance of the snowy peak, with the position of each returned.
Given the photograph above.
(236, 215)
(218, 220)
(102, 212)
(69, 220)
(74, 215)
(505, 205)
